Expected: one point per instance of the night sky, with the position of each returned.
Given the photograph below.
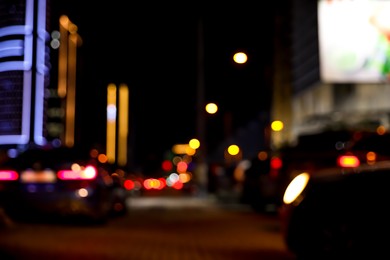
(153, 48)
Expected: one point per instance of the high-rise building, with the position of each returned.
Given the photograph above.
(24, 70)
(309, 96)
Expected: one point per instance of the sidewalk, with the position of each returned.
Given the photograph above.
(183, 202)
(171, 202)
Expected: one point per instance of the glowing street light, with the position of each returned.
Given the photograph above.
(232, 153)
(194, 143)
(277, 125)
(240, 57)
(211, 108)
(233, 149)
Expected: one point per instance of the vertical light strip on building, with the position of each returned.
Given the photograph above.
(41, 71)
(70, 113)
(123, 124)
(63, 57)
(111, 123)
(67, 59)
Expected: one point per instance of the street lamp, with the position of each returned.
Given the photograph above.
(240, 57)
(194, 143)
(232, 154)
(276, 127)
(211, 108)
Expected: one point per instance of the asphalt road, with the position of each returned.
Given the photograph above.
(154, 228)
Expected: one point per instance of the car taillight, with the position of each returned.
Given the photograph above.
(86, 173)
(8, 175)
(154, 184)
(348, 161)
(276, 164)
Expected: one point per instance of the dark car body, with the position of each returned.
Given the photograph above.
(57, 182)
(261, 189)
(341, 213)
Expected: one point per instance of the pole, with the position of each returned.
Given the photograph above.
(201, 169)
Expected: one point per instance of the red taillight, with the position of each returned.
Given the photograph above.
(8, 175)
(178, 185)
(276, 163)
(348, 161)
(129, 184)
(87, 173)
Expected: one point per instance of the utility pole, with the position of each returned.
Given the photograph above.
(200, 92)
(201, 170)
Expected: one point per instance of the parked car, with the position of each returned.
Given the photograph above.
(45, 183)
(261, 189)
(321, 150)
(119, 194)
(339, 212)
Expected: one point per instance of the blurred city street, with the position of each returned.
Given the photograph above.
(155, 228)
(176, 131)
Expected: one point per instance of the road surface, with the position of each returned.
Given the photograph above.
(172, 228)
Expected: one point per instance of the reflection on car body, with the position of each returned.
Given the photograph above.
(64, 182)
(338, 213)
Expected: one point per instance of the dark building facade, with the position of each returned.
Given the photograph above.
(302, 98)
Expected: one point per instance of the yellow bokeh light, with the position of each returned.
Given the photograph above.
(277, 125)
(211, 108)
(179, 148)
(194, 143)
(184, 177)
(190, 151)
(75, 167)
(233, 149)
(240, 57)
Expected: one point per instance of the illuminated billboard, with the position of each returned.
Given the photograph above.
(354, 41)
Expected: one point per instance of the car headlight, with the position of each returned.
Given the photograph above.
(295, 188)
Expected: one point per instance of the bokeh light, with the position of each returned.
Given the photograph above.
(211, 108)
(277, 125)
(233, 149)
(240, 58)
(194, 143)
